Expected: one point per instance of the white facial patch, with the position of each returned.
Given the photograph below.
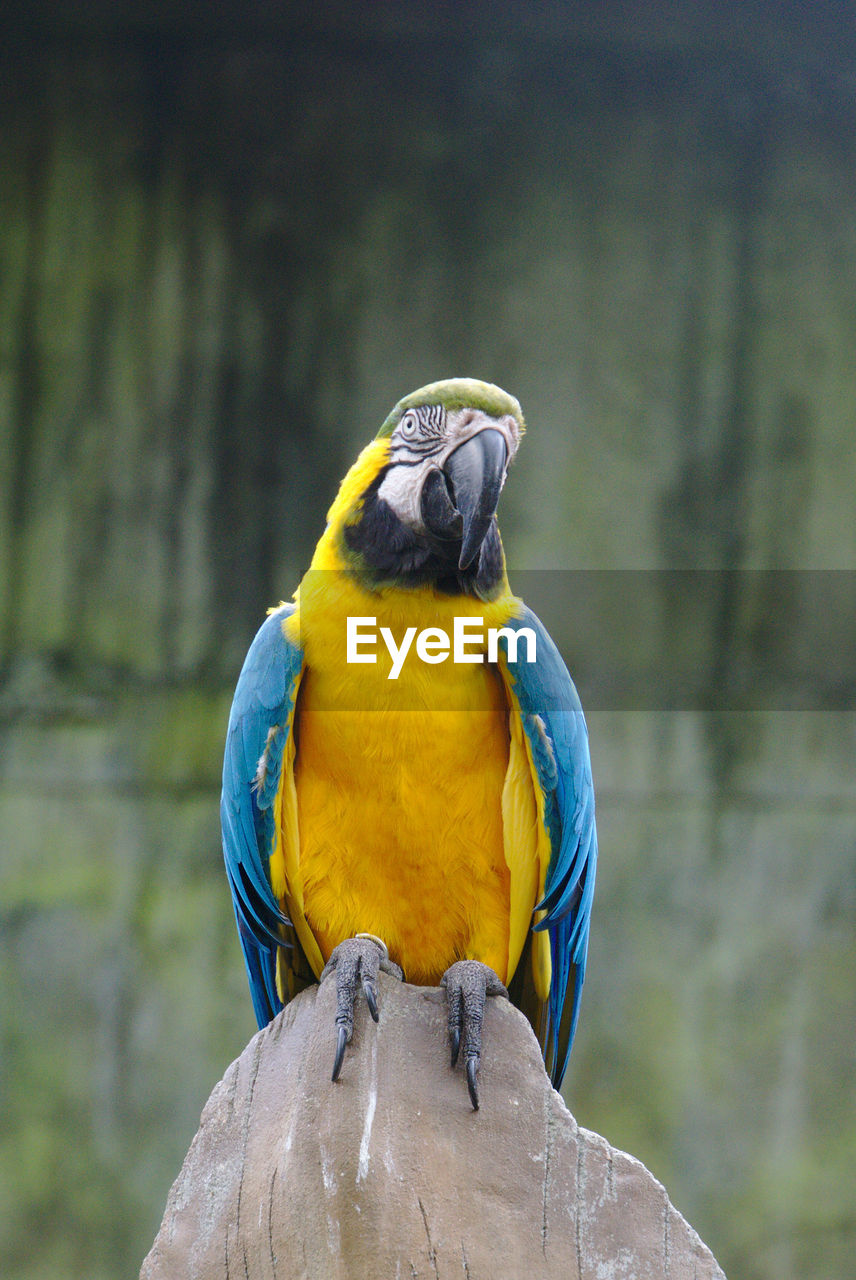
(401, 489)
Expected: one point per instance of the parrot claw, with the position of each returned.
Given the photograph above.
(455, 1037)
(341, 1041)
(370, 993)
(472, 1068)
(357, 962)
(468, 983)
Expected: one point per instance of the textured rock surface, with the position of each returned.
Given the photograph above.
(389, 1173)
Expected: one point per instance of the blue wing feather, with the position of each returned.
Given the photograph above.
(555, 726)
(258, 725)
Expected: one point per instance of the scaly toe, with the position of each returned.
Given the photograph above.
(356, 963)
(468, 983)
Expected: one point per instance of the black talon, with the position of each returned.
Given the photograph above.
(340, 1052)
(472, 1068)
(371, 999)
(455, 1037)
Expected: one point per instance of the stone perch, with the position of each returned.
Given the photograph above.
(390, 1173)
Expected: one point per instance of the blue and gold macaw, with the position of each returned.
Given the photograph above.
(441, 822)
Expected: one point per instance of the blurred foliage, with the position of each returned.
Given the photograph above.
(227, 246)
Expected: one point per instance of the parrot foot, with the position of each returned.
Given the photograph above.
(468, 983)
(357, 962)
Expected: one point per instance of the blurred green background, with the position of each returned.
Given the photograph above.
(231, 236)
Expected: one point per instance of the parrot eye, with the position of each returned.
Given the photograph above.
(408, 425)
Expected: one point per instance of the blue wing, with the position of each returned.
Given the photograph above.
(556, 729)
(259, 725)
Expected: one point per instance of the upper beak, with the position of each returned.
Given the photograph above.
(475, 471)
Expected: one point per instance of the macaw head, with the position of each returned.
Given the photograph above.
(429, 513)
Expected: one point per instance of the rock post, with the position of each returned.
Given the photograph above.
(389, 1173)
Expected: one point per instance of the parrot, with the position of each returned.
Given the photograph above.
(426, 813)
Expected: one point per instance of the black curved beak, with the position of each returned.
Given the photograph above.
(475, 473)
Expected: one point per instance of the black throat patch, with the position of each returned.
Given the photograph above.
(391, 552)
